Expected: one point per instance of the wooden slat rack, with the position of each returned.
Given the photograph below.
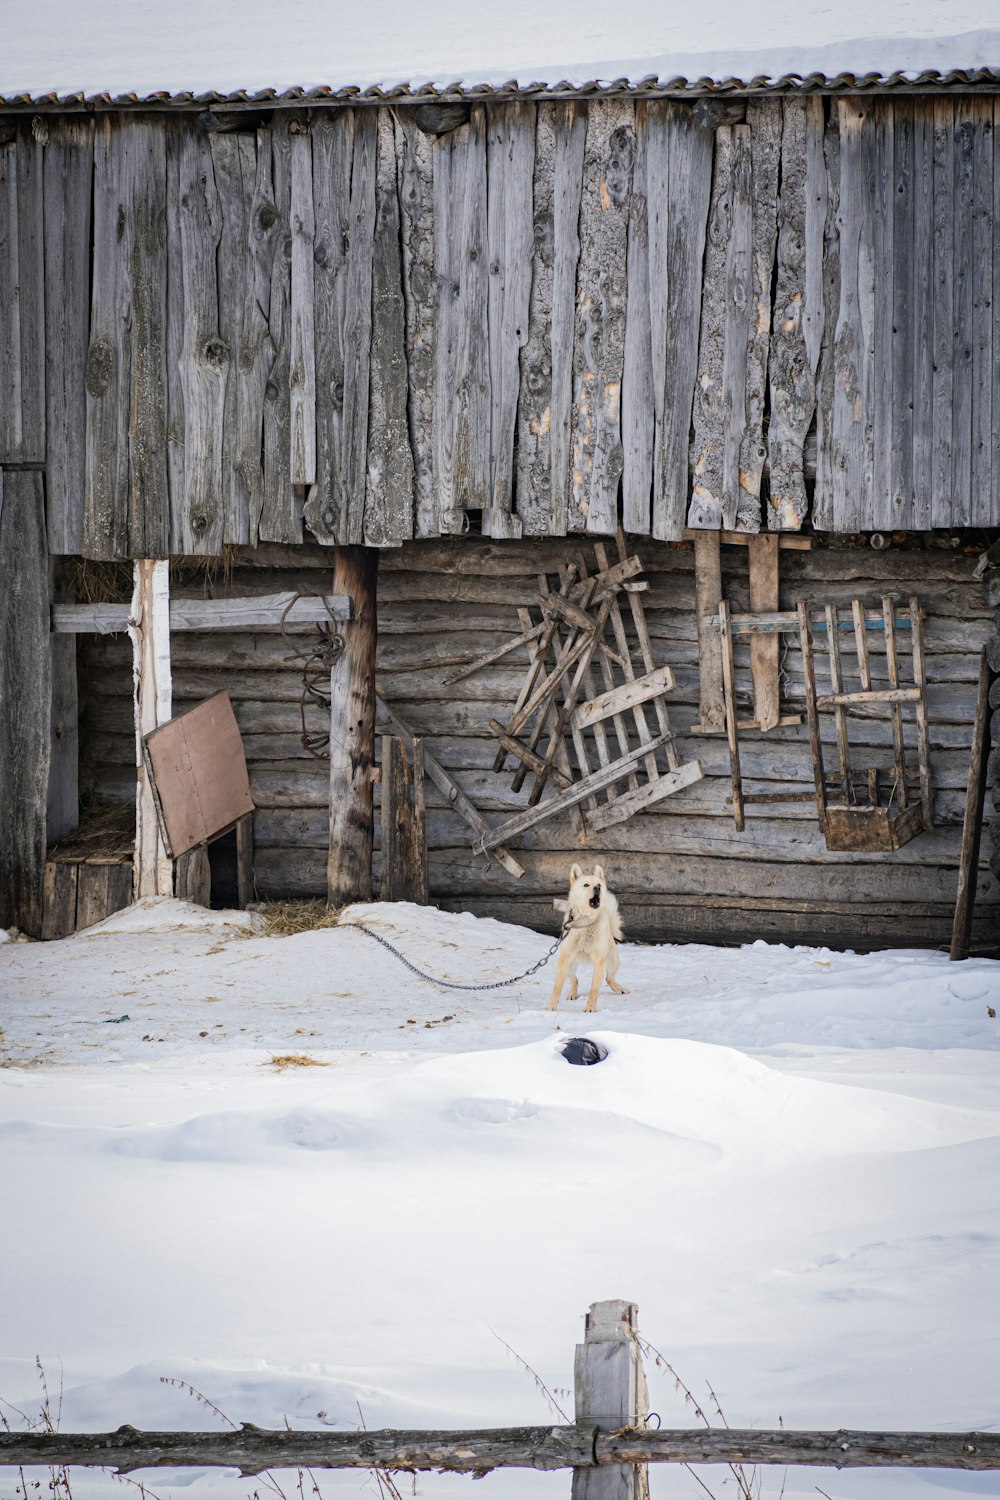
(591, 716)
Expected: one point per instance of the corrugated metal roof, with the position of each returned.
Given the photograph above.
(929, 80)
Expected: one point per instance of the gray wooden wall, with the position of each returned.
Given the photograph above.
(680, 869)
(337, 327)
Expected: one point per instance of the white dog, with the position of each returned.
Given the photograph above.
(591, 927)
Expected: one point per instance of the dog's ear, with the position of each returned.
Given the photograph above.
(600, 875)
(575, 873)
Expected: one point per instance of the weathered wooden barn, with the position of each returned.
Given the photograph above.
(453, 358)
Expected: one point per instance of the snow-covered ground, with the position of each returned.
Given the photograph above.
(789, 1160)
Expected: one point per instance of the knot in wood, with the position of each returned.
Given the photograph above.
(321, 254)
(267, 216)
(199, 523)
(215, 353)
(100, 366)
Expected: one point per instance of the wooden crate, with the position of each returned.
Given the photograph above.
(856, 829)
(89, 874)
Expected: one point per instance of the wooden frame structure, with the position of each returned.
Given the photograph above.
(561, 699)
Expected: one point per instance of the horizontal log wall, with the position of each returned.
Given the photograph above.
(338, 327)
(680, 869)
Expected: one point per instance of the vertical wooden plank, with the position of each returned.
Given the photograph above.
(352, 732)
(737, 334)
(972, 825)
(983, 415)
(829, 251)
(900, 508)
(923, 740)
(249, 227)
(149, 632)
(836, 685)
(302, 337)
(793, 360)
(879, 513)
(403, 842)
(358, 325)
(533, 479)
(174, 129)
(765, 650)
(638, 400)
(144, 159)
(599, 339)
(281, 513)
(709, 416)
(895, 709)
(24, 699)
(63, 797)
(943, 336)
(472, 398)
(69, 176)
(571, 125)
(676, 255)
(244, 862)
(995, 475)
(449, 157)
(852, 461)
(509, 234)
(332, 137)
(732, 734)
(389, 493)
(108, 373)
(59, 901)
(93, 895)
(815, 742)
(22, 298)
(193, 876)
(923, 311)
(610, 1392)
(861, 643)
(197, 515)
(545, 401)
(414, 158)
(963, 225)
(764, 120)
(708, 596)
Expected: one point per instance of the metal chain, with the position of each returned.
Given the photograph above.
(449, 984)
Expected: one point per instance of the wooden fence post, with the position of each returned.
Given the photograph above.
(352, 733)
(403, 826)
(149, 629)
(611, 1393)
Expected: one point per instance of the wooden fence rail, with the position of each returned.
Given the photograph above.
(608, 1454)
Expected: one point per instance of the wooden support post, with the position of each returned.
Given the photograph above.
(352, 733)
(24, 699)
(729, 688)
(244, 862)
(765, 650)
(404, 826)
(708, 596)
(149, 629)
(972, 827)
(611, 1394)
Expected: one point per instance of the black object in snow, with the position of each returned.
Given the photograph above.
(582, 1051)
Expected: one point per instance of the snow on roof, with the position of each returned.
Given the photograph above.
(138, 49)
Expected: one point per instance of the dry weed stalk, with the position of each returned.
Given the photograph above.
(282, 1060)
(539, 1382)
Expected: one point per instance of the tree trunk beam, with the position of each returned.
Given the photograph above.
(252, 1449)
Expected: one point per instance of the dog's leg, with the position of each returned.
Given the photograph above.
(595, 984)
(613, 962)
(574, 984)
(562, 965)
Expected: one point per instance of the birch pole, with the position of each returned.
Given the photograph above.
(149, 631)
